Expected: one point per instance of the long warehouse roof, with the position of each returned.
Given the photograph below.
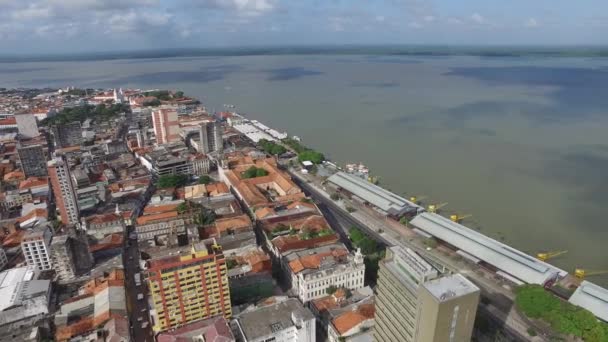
(593, 298)
(373, 194)
(499, 255)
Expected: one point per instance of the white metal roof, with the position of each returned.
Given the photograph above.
(516, 263)
(373, 194)
(593, 298)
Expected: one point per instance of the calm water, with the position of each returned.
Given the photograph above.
(520, 143)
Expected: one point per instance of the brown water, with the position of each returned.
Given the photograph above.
(521, 144)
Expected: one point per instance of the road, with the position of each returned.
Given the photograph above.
(137, 308)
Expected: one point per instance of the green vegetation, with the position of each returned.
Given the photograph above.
(171, 181)
(254, 172)
(372, 251)
(151, 103)
(404, 221)
(532, 332)
(182, 208)
(271, 147)
(350, 209)
(335, 196)
(101, 112)
(205, 217)
(205, 179)
(231, 263)
(431, 242)
(564, 317)
(304, 153)
(77, 92)
(311, 234)
(331, 289)
(250, 293)
(280, 228)
(162, 95)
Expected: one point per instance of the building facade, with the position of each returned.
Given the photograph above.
(63, 189)
(36, 248)
(27, 125)
(68, 134)
(33, 160)
(166, 125)
(188, 286)
(210, 135)
(3, 259)
(61, 258)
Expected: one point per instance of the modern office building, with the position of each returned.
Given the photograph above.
(68, 134)
(33, 160)
(27, 125)
(166, 125)
(63, 188)
(187, 285)
(210, 134)
(36, 248)
(414, 303)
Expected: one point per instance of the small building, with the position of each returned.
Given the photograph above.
(210, 330)
(593, 298)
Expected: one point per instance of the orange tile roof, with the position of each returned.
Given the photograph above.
(8, 121)
(236, 223)
(153, 209)
(38, 212)
(314, 261)
(216, 189)
(14, 175)
(290, 242)
(266, 211)
(103, 218)
(32, 182)
(350, 319)
(156, 217)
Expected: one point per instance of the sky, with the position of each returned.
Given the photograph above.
(75, 26)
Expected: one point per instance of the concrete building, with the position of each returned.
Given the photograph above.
(311, 272)
(25, 301)
(187, 285)
(166, 125)
(3, 259)
(593, 298)
(210, 330)
(68, 134)
(163, 161)
(27, 125)
(36, 248)
(415, 304)
(287, 321)
(102, 225)
(63, 188)
(70, 256)
(210, 137)
(33, 160)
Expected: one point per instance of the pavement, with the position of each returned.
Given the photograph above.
(137, 308)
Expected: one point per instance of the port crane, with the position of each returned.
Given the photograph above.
(417, 199)
(582, 273)
(544, 256)
(434, 208)
(456, 218)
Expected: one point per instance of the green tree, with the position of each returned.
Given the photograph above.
(205, 179)
(331, 289)
(171, 181)
(231, 263)
(254, 172)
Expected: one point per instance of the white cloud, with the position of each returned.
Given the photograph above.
(531, 23)
(414, 25)
(454, 21)
(380, 18)
(478, 18)
(134, 21)
(429, 18)
(242, 7)
(33, 11)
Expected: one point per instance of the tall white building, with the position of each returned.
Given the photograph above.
(287, 321)
(63, 189)
(36, 248)
(27, 125)
(211, 137)
(312, 271)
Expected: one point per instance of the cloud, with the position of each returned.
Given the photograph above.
(134, 21)
(478, 18)
(380, 18)
(241, 7)
(414, 25)
(429, 18)
(531, 23)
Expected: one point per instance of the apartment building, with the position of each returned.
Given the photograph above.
(33, 160)
(36, 248)
(63, 189)
(187, 284)
(166, 125)
(210, 137)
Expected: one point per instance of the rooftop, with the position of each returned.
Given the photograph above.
(271, 319)
(213, 330)
(408, 266)
(451, 286)
(593, 298)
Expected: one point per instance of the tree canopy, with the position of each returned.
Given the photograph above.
(205, 179)
(304, 153)
(254, 172)
(171, 181)
(271, 147)
(100, 112)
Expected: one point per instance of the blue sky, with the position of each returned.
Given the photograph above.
(40, 26)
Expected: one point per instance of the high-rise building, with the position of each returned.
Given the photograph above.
(68, 134)
(27, 125)
(36, 248)
(166, 125)
(210, 134)
(33, 160)
(63, 189)
(188, 285)
(70, 255)
(415, 304)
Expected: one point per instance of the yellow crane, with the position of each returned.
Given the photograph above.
(433, 208)
(417, 199)
(456, 218)
(582, 273)
(544, 256)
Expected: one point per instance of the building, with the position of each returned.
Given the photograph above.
(166, 161)
(311, 272)
(510, 263)
(99, 310)
(210, 137)
(27, 125)
(210, 330)
(68, 134)
(33, 160)
(287, 321)
(25, 301)
(414, 303)
(166, 125)
(36, 248)
(101, 225)
(63, 188)
(593, 298)
(160, 222)
(3, 259)
(383, 200)
(70, 256)
(187, 285)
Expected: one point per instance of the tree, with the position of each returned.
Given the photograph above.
(331, 289)
(179, 94)
(205, 179)
(231, 263)
(254, 172)
(205, 217)
(335, 196)
(356, 235)
(171, 181)
(312, 156)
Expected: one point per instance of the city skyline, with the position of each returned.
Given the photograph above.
(68, 26)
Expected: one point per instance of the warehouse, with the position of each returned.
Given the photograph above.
(509, 261)
(593, 298)
(384, 201)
